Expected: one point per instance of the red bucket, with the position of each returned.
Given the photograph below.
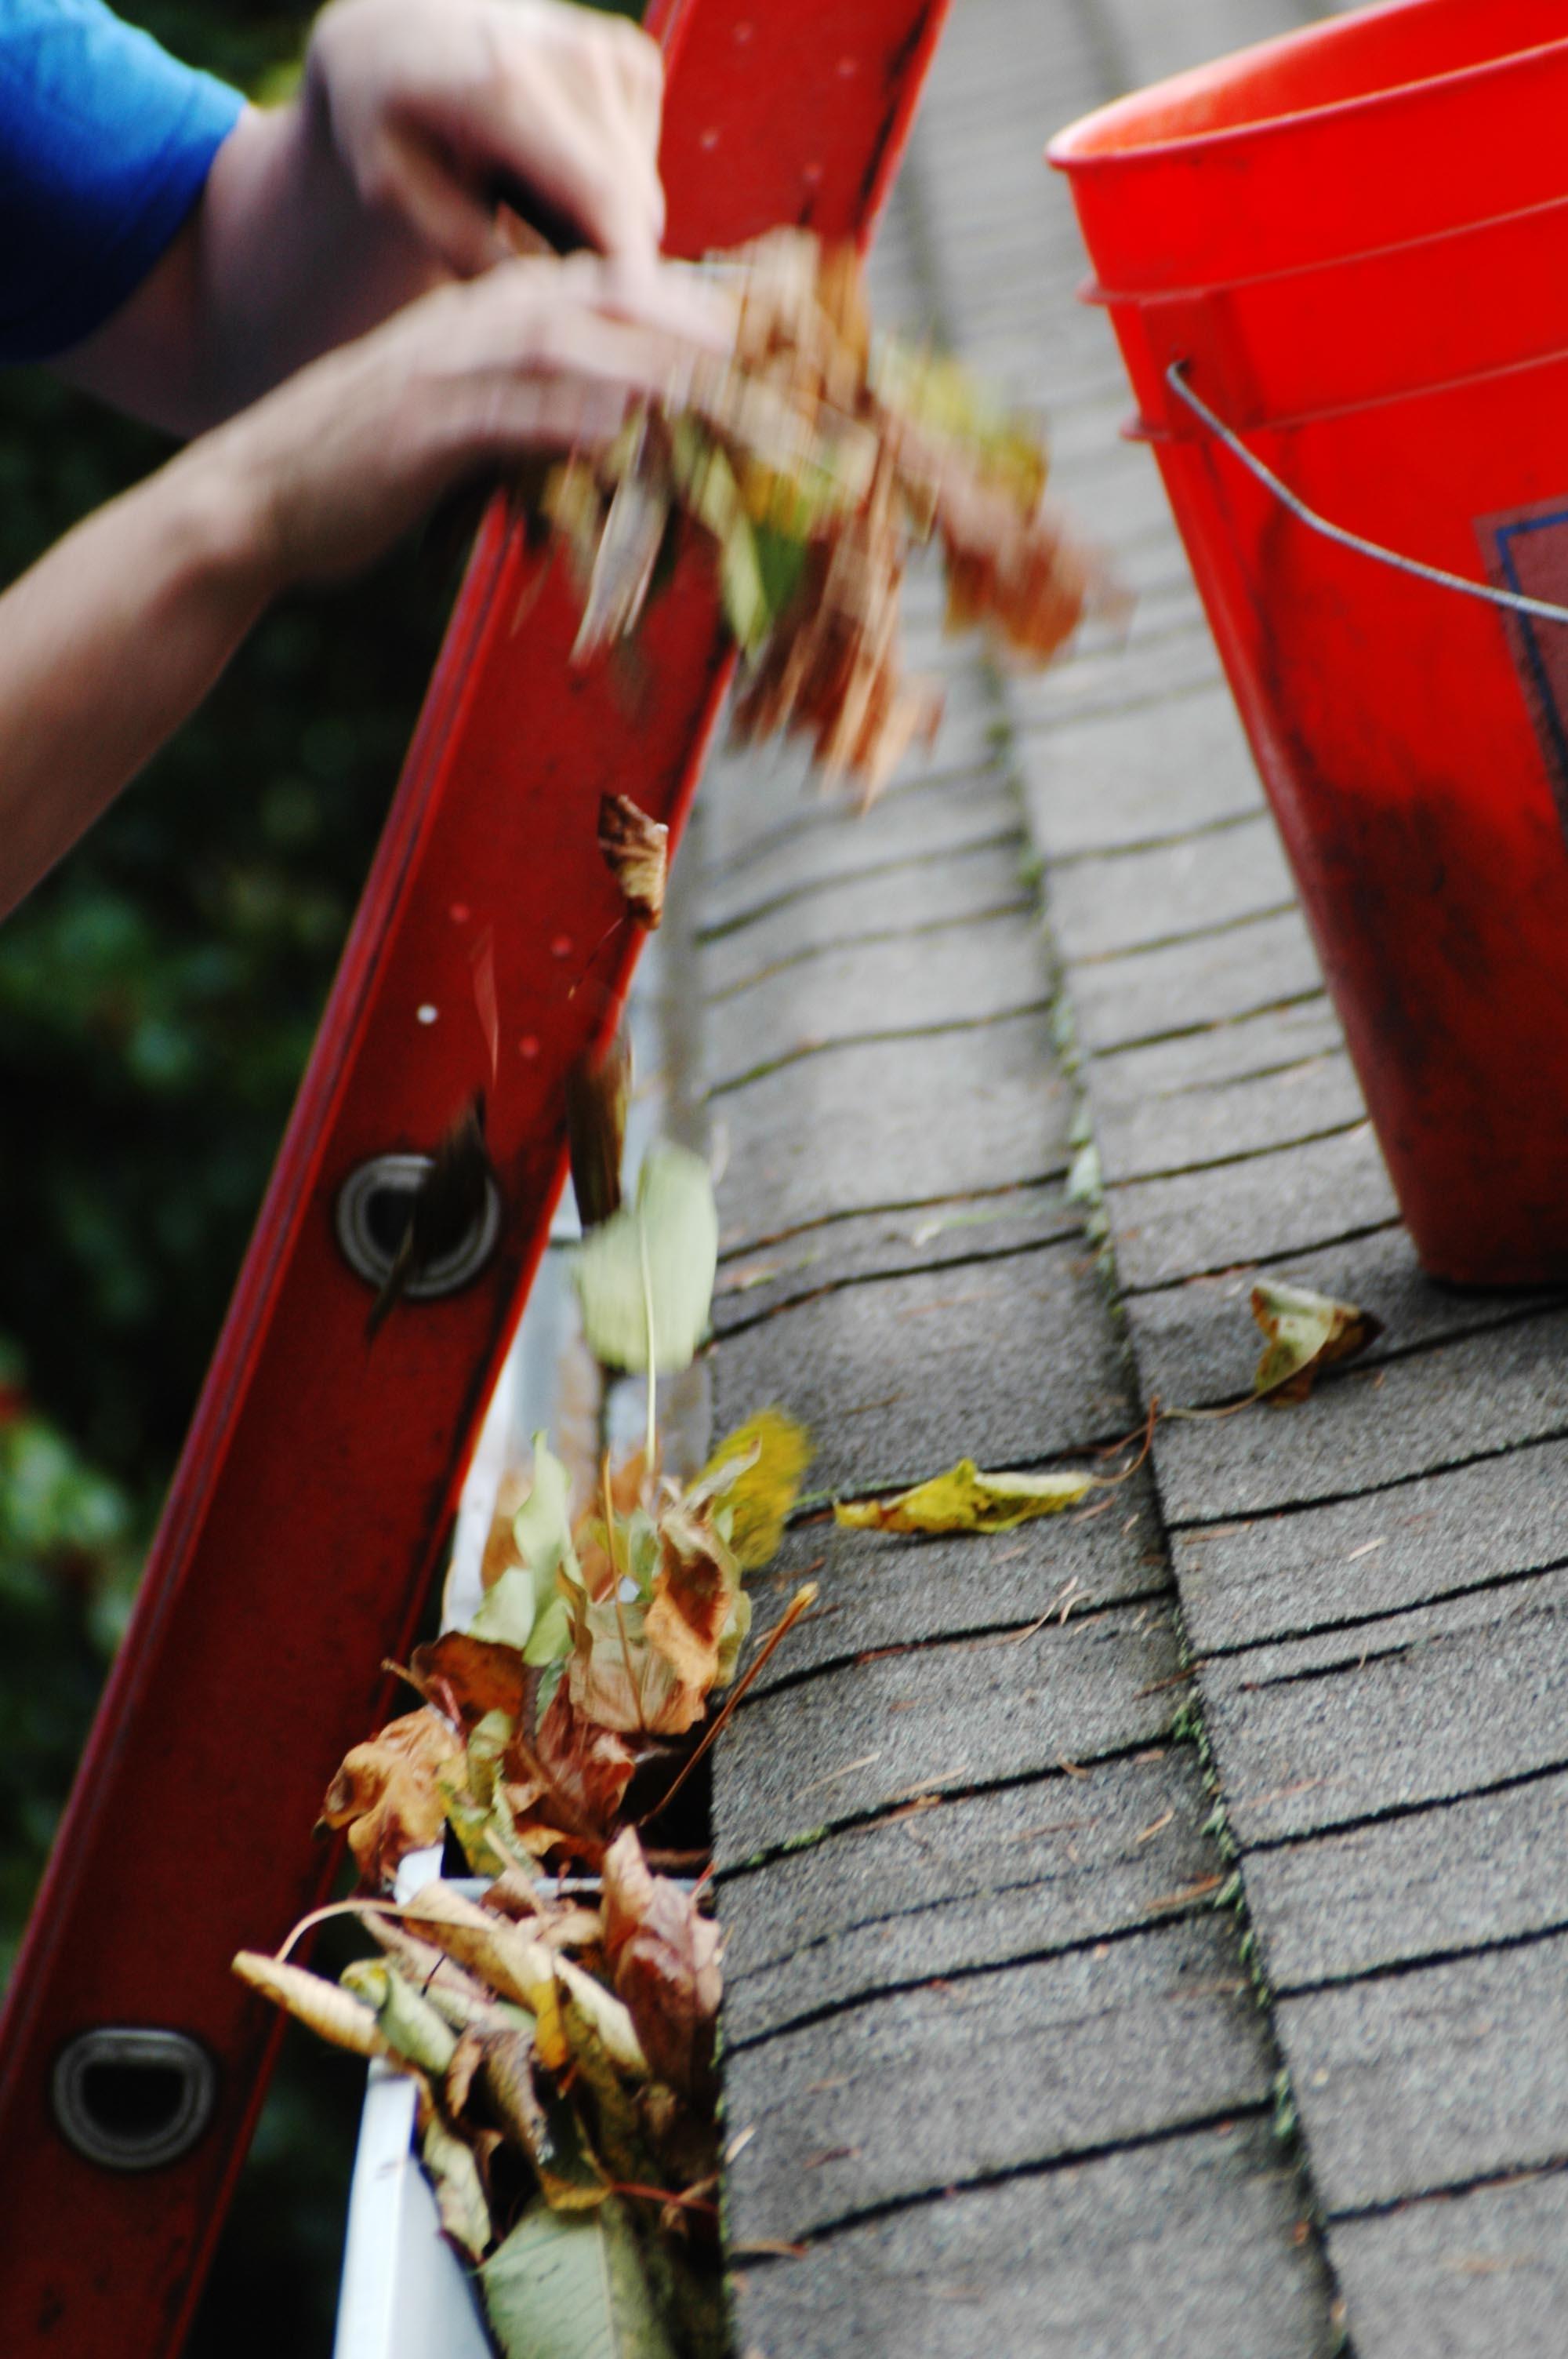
(1352, 245)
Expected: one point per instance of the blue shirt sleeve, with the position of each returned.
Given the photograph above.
(105, 143)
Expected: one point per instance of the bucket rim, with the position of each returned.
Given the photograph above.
(1068, 150)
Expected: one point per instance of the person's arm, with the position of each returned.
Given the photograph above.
(119, 631)
(323, 217)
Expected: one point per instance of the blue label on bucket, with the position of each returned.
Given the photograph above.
(1527, 551)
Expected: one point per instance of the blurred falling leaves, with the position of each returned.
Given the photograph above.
(814, 463)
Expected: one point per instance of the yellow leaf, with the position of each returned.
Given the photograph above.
(775, 1453)
(965, 1500)
(1306, 1332)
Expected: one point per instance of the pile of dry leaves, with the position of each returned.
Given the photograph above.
(816, 460)
(559, 2022)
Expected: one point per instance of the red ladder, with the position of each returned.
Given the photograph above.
(307, 1517)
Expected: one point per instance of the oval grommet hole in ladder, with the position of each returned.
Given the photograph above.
(130, 2097)
(375, 1205)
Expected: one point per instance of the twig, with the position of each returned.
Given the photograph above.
(665, 2195)
(801, 1603)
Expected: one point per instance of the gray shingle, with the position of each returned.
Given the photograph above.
(1434, 2077)
(1099, 785)
(968, 2078)
(1452, 1877)
(899, 1122)
(872, 1734)
(1279, 1203)
(899, 1377)
(1207, 979)
(1160, 2251)
(963, 973)
(1270, 1575)
(975, 1881)
(1370, 1427)
(1461, 2277)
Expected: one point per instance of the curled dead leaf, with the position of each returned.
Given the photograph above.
(570, 1779)
(454, 2174)
(388, 1793)
(334, 2014)
(636, 852)
(1306, 1332)
(664, 1955)
(693, 1605)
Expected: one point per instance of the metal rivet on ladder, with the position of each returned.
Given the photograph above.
(374, 1208)
(131, 2098)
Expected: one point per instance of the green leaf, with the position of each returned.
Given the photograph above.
(524, 1608)
(965, 1500)
(651, 1269)
(409, 2024)
(542, 1526)
(550, 1639)
(781, 565)
(707, 482)
(571, 2285)
(506, 1616)
(746, 606)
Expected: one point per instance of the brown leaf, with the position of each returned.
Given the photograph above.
(543, 2125)
(636, 850)
(694, 1598)
(599, 1089)
(468, 2056)
(388, 1795)
(570, 1780)
(664, 1955)
(466, 1678)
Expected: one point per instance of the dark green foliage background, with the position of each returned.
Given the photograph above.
(157, 999)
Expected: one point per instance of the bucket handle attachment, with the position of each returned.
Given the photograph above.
(1512, 601)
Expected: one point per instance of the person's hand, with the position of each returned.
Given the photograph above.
(436, 107)
(327, 469)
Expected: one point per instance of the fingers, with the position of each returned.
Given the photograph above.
(577, 133)
(667, 296)
(418, 184)
(553, 354)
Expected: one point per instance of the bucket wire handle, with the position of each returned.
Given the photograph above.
(1513, 601)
